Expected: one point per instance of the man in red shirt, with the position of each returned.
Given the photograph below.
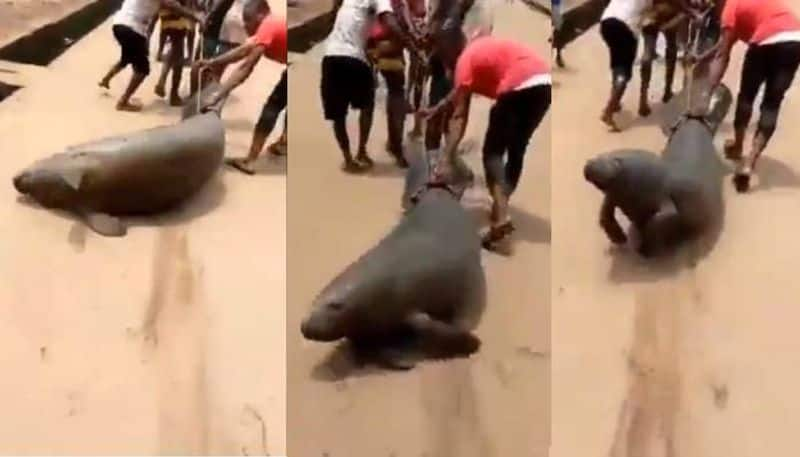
(268, 39)
(519, 80)
(772, 32)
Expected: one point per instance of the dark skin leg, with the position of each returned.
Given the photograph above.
(190, 37)
(650, 38)
(113, 71)
(162, 41)
(364, 128)
(671, 63)
(343, 139)
(124, 103)
(396, 115)
(614, 103)
(176, 61)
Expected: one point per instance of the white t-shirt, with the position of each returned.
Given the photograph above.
(783, 37)
(137, 14)
(232, 29)
(631, 12)
(349, 34)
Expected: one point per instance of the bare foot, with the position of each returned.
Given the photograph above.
(733, 151)
(175, 100)
(644, 110)
(160, 91)
(667, 96)
(608, 119)
(129, 106)
(105, 84)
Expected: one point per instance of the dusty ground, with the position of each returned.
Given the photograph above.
(19, 17)
(76, 309)
(688, 362)
(494, 404)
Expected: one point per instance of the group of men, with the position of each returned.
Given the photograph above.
(262, 35)
(770, 28)
(372, 36)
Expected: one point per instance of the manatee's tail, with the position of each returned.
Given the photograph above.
(714, 106)
(195, 103)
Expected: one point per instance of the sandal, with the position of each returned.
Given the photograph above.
(496, 234)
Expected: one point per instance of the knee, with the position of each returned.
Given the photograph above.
(768, 122)
(267, 119)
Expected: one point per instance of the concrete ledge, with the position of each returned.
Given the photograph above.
(309, 22)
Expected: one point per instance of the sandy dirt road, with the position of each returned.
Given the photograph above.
(679, 362)
(495, 404)
(168, 341)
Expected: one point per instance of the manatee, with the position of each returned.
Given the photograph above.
(423, 279)
(670, 198)
(139, 173)
(420, 172)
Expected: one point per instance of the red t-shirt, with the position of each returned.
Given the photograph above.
(753, 21)
(271, 34)
(492, 66)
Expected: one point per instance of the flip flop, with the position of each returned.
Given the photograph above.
(239, 165)
(497, 234)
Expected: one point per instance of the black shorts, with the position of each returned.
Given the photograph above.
(134, 49)
(346, 82)
(622, 44)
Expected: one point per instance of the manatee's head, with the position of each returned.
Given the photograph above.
(601, 171)
(49, 186)
(334, 311)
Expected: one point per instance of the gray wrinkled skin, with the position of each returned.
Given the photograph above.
(671, 198)
(138, 173)
(429, 264)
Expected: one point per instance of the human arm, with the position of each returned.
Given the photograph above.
(242, 72)
(176, 7)
(458, 121)
(722, 57)
(609, 222)
(390, 20)
(236, 54)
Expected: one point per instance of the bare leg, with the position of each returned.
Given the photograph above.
(176, 61)
(364, 128)
(396, 115)
(113, 71)
(671, 62)
(343, 139)
(650, 38)
(614, 102)
(124, 103)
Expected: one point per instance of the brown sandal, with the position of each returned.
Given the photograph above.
(497, 234)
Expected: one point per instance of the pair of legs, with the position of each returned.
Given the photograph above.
(276, 103)
(174, 64)
(396, 110)
(650, 35)
(622, 45)
(417, 76)
(134, 52)
(774, 66)
(512, 121)
(349, 82)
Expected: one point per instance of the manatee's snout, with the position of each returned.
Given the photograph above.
(599, 171)
(22, 182)
(326, 323)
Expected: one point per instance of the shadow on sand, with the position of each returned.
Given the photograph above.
(677, 253)
(208, 199)
(345, 362)
(773, 173)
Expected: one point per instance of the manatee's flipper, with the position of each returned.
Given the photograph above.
(105, 225)
(73, 178)
(442, 339)
(395, 359)
(387, 353)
